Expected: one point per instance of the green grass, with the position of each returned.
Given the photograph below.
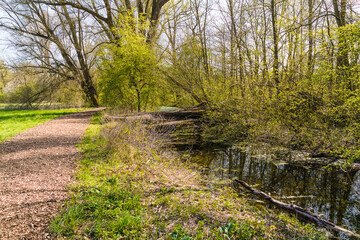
(13, 122)
(128, 187)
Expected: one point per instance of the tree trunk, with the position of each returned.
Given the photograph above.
(276, 42)
(310, 62)
(78, 42)
(90, 92)
(340, 16)
(154, 19)
(138, 100)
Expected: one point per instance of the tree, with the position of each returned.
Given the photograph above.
(26, 86)
(275, 34)
(4, 78)
(340, 17)
(54, 40)
(106, 13)
(128, 67)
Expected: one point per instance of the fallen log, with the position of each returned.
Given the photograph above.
(182, 114)
(299, 212)
(135, 117)
(174, 124)
(191, 113)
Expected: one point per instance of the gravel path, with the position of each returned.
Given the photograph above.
(35, 168)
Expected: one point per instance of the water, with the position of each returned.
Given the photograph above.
(289, 177)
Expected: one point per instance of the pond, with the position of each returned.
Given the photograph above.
(288, 176)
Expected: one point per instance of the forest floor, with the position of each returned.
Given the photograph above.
(35, 168)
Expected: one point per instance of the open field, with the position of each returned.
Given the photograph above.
(13, 122)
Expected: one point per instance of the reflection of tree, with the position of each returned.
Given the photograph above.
(204, 159)
(229, 154)
(241, 164)
(333, 199)
(322, 181)
(331, 188)
(220, 168)
(275, 178)
(342, 195)
(305, 180)
(352, 213)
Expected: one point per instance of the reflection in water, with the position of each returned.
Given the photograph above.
(328, 192)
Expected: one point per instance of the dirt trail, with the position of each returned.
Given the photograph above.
(35, 168)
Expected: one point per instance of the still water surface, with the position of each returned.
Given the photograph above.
(331, 193)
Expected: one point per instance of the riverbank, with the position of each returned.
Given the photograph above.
(336, 145)
(129, 186)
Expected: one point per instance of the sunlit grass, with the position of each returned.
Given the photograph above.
(13, 122)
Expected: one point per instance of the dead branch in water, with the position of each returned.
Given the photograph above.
(299, 212)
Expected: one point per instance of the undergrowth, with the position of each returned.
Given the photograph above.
(303, 120)
(129, 187)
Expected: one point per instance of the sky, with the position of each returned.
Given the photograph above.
(6, 53)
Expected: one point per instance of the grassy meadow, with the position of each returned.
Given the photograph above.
(13, 122)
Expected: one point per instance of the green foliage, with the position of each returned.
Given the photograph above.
(25, 94)
(100, 207)
(4, 78)
(69, 94)
(193, 74)
(107, 211)
(26, 87)
(13, 122)
(319, 112)
(128, 68)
